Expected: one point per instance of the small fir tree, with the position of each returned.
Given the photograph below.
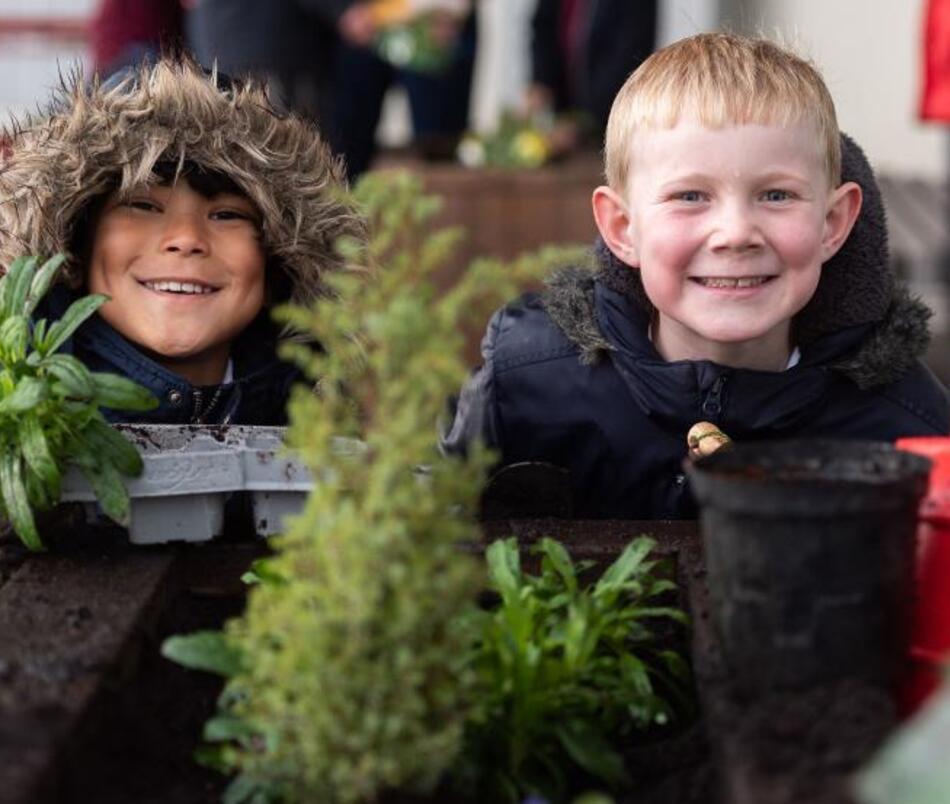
(348, 671)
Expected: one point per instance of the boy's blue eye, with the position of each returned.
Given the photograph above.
(691, 196)
(776, 195)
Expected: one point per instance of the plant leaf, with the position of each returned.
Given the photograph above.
(107, 485)
(587, 747)
(60, 331)
(558, 558)
(15, 500)
(42, 281)
(15, 337)
(75, 377)
(20, 278)
(27, 394)
(121, 393)
(504, 568)
(38, 456)
(626, 564)
(210, 651)
(114, 447)
(221, 728)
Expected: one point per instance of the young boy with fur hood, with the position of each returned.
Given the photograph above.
(196, 208)
(742, 278)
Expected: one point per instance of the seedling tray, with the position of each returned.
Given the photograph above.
(191, 471)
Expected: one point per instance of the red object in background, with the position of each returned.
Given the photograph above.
(930, 634)
(117, 24)
(935, 99)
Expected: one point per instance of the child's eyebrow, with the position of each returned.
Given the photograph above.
(678, 181)
(783, 175)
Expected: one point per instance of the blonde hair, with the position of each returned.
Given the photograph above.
(720, 79)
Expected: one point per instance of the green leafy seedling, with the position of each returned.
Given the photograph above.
(568, 670)
(49, 406)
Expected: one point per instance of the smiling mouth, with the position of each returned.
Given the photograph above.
(180, 288)
(731, 282)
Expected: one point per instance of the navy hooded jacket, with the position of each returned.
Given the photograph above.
(571, 378)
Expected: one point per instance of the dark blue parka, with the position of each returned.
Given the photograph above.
(257, 394)
(572, 379)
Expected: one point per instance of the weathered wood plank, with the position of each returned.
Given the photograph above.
(66, 623)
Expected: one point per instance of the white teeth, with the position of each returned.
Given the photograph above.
(723, 282)
(188, 288)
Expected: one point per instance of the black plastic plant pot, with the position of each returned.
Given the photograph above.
(810, 554)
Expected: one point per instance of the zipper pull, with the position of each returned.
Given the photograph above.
(712, 404)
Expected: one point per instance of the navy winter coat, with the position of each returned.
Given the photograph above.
(570, 377)
(618, 425)
(258, 394)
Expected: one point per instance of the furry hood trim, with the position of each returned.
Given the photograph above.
(856, 288)
(94, 138)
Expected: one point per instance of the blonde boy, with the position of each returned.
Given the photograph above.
(741, 278)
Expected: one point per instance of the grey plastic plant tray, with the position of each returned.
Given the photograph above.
(189, 472)
(278, 484)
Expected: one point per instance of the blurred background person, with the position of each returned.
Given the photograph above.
(290, 43)
(123, 32)
(581, 53)
(372, 57)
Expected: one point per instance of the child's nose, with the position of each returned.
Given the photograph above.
(736, 228)
(184, 234)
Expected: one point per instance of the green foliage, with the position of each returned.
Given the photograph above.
(517, 142)
(49, 406)
(354, 674)
(566, 670)
(412, 45)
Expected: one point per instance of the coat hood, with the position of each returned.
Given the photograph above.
(96, 137)
(857, 289)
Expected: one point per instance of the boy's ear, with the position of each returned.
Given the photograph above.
(844, 206)
(613, 223)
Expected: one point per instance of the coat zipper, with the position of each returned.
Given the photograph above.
(712, 404)
(196, 411)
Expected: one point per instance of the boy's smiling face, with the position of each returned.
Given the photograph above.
(729, 228)
(185, 274)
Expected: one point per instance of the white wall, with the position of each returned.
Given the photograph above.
(869, 52)
(30, 65)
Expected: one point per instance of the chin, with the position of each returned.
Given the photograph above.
(171, 350)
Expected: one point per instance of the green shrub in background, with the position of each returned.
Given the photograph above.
(49, 406)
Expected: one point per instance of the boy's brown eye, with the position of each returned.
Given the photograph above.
(142, 203)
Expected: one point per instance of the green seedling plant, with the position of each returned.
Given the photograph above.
(49, 406)
(569, 670)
